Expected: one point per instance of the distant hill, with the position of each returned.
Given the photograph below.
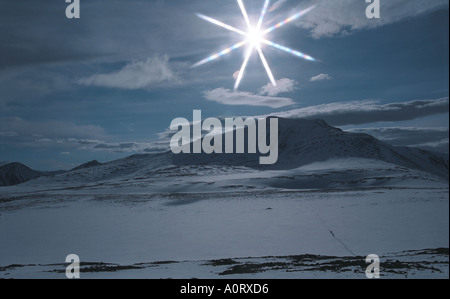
(16, 173)
(87, 165)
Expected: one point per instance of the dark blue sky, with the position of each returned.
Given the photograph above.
(103, 86)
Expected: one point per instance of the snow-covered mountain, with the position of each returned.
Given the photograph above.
(337, 156)
(302, 142)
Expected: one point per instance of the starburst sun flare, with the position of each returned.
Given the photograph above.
(254, 39)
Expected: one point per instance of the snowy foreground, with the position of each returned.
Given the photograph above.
(253, 226)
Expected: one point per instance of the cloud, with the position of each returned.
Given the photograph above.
(241, 98)
(363, 112)
(331, 18)
(434, 138)
(276, 5)
(29, 36)
(65, 137)
(21, 128)
(321, 77)
(136, 75)
(441, 146)
(121, 147)
(8, 134)
(283, 86)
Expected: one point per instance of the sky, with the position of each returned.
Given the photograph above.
(108, 85)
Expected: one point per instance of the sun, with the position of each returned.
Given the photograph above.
(254, 39)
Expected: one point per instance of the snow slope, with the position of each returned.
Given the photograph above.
(130, 228)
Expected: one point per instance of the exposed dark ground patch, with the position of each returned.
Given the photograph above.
(403, 264)
(222, 262)
(95, 268)
(406, 264)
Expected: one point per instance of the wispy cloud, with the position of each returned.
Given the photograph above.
(283, 86)
(321, 77)
(39, 130)
(276, 5)
(241, 98)
(120, 147)
(136, 75)
(8, 134)
(438, 146)
(331, 18)
(429, 138)
(364, 112)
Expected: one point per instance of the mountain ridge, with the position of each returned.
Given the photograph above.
(301, 142)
